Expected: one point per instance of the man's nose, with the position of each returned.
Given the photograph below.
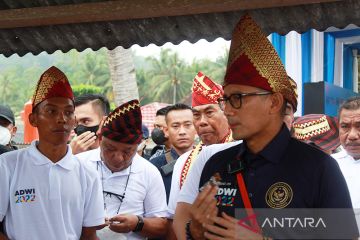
(182, 130)
(118, 156)
(203, 120)
(228, 109)
(353, 134)
(60, 117)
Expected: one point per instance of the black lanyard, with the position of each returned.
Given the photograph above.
(121, 197)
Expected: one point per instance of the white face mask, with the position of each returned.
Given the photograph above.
(5, 136)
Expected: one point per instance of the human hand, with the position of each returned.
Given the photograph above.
(82, 142)
(228, 228)
(203, 210)
(123, 223)
(107, 222)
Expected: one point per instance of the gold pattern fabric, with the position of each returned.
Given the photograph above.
(250, 44)
(124, 123)
(194, 153)
(52, 83)
(319, 129)
(117, 113)
(205, 91)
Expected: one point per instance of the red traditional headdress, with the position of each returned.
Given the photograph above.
(205, 91)
(253, 61)
(320, 129)
(124, 123)
(52, 83)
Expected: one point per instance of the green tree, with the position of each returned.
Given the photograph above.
(168, 80)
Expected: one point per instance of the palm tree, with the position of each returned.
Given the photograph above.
(168, 80)
(122, 72)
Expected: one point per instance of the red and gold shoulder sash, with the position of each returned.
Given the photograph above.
(194, 153)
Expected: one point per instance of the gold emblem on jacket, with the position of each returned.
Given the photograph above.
(279, 195)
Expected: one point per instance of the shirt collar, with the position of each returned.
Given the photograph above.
(275, 149)
(67, 162)
(344, 154)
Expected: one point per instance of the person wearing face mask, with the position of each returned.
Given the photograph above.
(7, 129)
(158, 136)
(90, 109)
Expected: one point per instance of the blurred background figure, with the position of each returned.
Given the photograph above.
(7, 129)
(141, 150)
(181, 133)
(289, 111)
(289, 116)
(90, 109)
(319, 130)
(348, 157)
(158, 136)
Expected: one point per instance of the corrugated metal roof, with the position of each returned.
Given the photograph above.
(166, 29)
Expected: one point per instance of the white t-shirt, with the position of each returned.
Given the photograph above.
(145, 192)
(175, 183)
(190, 188)
(350, 168)
(44, 200)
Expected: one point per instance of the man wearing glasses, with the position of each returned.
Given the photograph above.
(269, 170)
(133, 190)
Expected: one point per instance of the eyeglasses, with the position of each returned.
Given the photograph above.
(110, 195)
(235, 99)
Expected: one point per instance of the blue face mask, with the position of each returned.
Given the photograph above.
(80, 129)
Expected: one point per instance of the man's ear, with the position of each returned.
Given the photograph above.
(13, 131)
(277, 102)
(32, 120)
(166, 132)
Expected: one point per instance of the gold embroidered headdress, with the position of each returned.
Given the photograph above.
(52, 83)
(253, 61)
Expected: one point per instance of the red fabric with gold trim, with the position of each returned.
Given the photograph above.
(124, 123)
(52, 83)
(319, 129)
(254, 62)
(205, 91)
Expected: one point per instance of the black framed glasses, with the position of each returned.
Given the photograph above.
(120, 197)
(235, 99)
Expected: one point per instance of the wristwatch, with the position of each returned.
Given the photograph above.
(140, 224)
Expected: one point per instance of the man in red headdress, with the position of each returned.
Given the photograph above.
(212, 128)
(46, 192)
(133, 190)
(269, 170)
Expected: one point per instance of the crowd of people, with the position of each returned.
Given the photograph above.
(236, 150)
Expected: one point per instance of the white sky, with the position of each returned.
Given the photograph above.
(188, 51)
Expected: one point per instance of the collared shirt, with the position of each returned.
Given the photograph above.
(44, 200)
(175, 183)
(351, 171)
(287, 173)
(191, 189)
(145, 192)
(313, 177)
(161, 161)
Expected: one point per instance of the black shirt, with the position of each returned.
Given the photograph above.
(161, 161)
(287, 173)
